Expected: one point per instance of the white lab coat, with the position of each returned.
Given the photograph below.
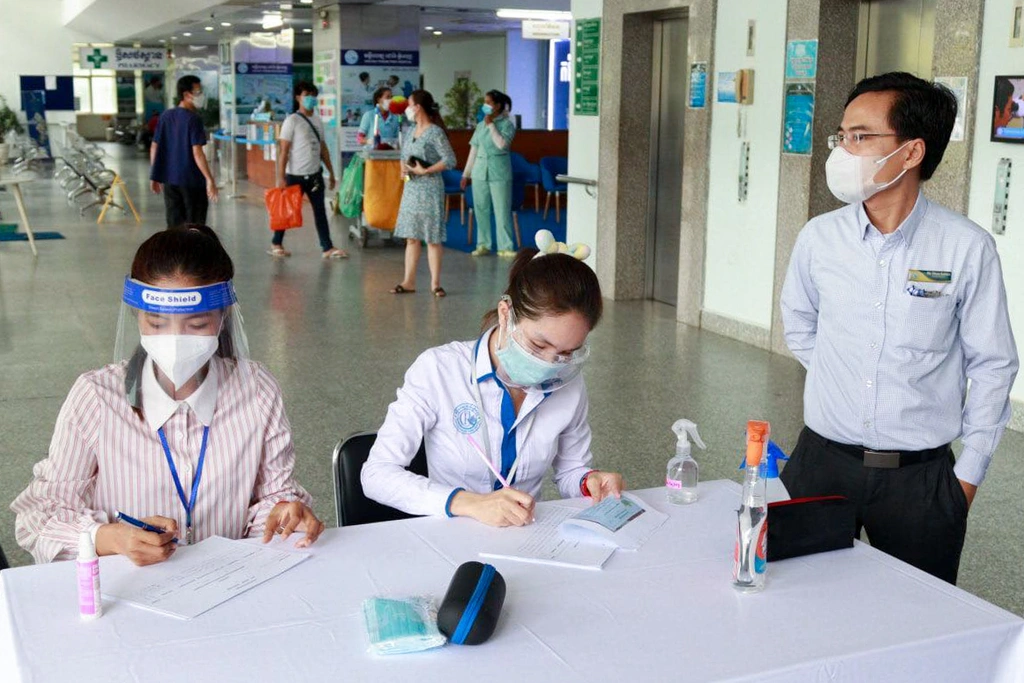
(437, 405)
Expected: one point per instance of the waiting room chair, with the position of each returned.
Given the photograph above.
(550, 167)
(350, 503)
(532, 176)
(452, 187)
(519, 182)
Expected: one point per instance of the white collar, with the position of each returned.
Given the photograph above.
(158, 407)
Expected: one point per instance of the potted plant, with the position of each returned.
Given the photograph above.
(462, 102)
(8, 123)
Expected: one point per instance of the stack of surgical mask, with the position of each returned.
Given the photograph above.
(399, 626)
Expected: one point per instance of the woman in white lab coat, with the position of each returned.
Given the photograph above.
(502, 409)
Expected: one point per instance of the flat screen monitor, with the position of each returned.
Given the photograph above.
(1008, 110)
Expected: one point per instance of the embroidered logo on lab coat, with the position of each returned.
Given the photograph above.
(466, 417)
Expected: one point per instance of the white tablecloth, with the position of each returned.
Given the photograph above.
(667, 612)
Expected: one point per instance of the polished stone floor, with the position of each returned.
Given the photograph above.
(339, 343)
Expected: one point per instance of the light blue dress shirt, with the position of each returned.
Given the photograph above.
(889, 349)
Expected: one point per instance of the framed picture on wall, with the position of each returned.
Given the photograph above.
(1008, 110)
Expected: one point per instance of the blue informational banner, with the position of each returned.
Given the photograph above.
(405, 58)
(263, 69)
(698, 85)
(560, 77)
(727, 86)
(802, 59)
(799, 119)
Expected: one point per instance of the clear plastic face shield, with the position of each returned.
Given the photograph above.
(528, 361)
(175, 332)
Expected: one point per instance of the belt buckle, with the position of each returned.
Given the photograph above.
(887, 460)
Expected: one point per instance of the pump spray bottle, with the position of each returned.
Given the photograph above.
(682, 474)
(750, 558)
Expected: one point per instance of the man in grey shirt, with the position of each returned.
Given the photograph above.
(896, 306)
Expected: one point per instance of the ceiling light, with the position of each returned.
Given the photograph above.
(540, 15)
(187, 34)
(209, 28)
(428, 28)
(162, 40)
(307, 30)
(437, 33)
(306, 2)
(272, 21)
(225, 23)
(286, 5)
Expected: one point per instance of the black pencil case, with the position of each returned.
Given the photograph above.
(805, 526)
(469, 612)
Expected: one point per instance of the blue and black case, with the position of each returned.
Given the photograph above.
(471, 606)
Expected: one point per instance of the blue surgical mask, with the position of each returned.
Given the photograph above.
(524, 369)
(309, 102)
(487, 109)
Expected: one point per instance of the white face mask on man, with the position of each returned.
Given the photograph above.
(180, 356)
(851, 178)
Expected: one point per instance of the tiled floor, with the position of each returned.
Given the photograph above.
(339, 343)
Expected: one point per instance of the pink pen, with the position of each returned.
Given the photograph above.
(487, 461)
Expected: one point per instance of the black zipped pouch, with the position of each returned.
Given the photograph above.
(805, 526)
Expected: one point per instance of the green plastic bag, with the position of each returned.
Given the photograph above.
(350, 194)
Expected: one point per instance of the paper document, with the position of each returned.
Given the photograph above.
(542, 542)
(197, 578)
(625, 522)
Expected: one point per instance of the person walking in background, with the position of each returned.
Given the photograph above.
(299, 163)
(421, 216)
(178, 166)
(490, 168)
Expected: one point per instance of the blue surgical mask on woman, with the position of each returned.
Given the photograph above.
(525, 369)
(487, 109)
(309, 102)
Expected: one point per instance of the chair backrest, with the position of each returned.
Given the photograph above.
(3, 560)
(519, 182)
(451, 181)
(531, 172)
(551, 167)
(351, 504)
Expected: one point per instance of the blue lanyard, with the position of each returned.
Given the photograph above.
(188, 504)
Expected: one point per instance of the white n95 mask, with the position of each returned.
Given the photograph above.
(852, 178)
(180, 356)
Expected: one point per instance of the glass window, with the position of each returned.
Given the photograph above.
(104, 95)
(83, 96)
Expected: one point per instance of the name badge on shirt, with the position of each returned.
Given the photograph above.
(928, 284)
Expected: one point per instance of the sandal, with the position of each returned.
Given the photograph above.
(399, 289)
(440, 293)
(277, 251)
(334, 253)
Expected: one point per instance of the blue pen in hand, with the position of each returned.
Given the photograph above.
(128, 519)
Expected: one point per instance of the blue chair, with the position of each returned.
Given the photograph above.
(519, 182)
(452, 186)
(549, 168)
(531, 173)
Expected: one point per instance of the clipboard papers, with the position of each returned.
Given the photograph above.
(583, 539)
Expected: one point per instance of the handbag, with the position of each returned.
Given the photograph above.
(284, 206)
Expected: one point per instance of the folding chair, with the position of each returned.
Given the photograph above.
(351, 504)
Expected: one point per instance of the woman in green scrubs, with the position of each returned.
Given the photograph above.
(490, 168)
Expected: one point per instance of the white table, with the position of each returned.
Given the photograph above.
(667, 612)
(14, 182)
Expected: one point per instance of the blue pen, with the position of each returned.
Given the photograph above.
(128, 519)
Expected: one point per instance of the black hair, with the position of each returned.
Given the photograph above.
(379, 93)
(501, 98)
(551, 284)
(424, 99)
(185, 85)
(919, 110)
(1004, 92)
(304, 87)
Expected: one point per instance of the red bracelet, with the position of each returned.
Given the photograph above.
(583, 484)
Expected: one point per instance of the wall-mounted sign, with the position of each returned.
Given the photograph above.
(123, 58)
(698, 85)
(262, 69)
(545, 30)
(802, 59)
(587, 67)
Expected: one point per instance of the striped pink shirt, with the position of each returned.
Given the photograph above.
(104, 458)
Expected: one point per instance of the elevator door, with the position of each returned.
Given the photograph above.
(666, 173)
(896, 35)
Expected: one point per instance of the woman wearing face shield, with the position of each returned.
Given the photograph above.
(512, 398)
(183, 431)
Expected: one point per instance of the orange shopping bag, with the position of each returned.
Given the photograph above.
(284, 204)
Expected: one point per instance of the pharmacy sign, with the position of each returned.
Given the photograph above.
(123, 58)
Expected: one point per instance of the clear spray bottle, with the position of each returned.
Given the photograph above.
(682, 473)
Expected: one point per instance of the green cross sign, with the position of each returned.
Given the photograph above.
(97, 58)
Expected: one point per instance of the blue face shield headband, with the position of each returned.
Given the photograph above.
(178, 301)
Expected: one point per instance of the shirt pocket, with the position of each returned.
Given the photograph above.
(927, 323)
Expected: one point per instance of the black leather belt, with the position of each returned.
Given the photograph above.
(885, 459)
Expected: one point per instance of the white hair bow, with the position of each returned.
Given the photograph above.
(547, 244)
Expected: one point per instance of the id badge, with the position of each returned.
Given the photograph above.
(928, 284)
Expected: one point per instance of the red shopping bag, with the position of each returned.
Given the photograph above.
(284, 204)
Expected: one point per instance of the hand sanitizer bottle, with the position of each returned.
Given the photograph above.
(682, 474)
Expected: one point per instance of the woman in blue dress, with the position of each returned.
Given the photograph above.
(421, 216)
